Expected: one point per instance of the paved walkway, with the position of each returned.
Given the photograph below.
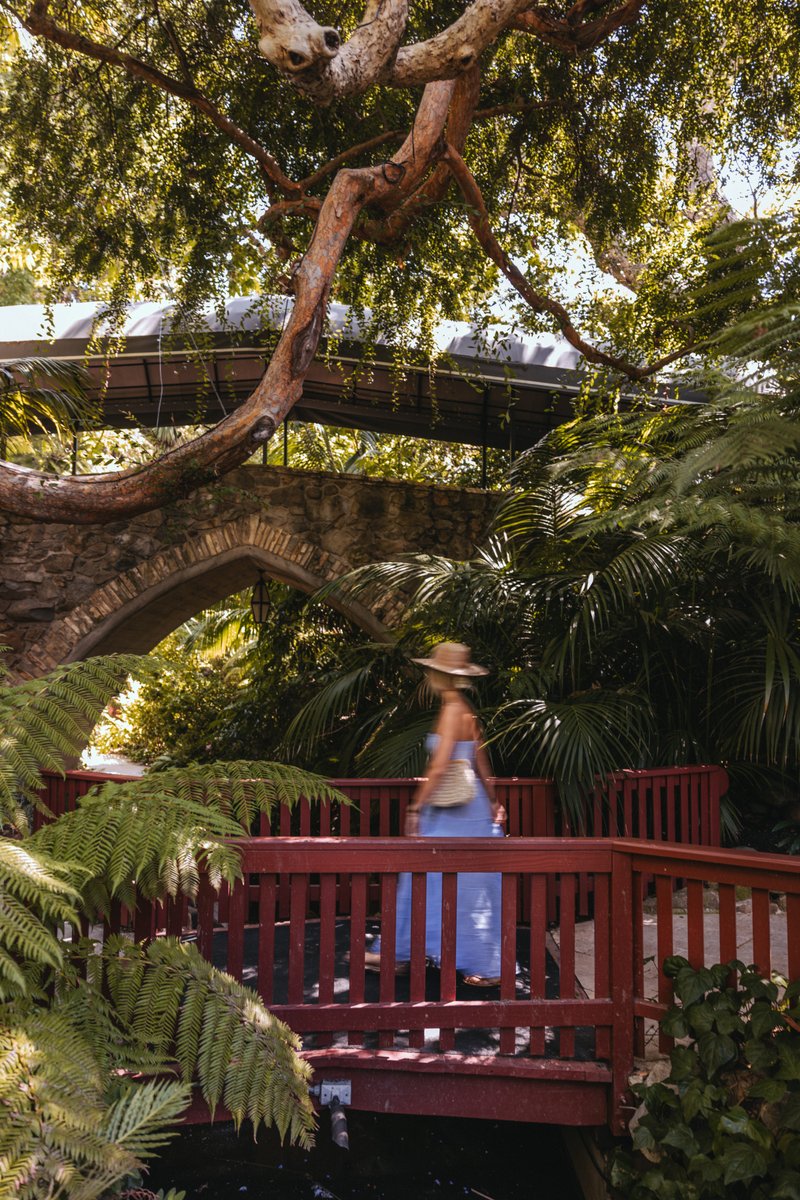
(109, 764)
(585, 943)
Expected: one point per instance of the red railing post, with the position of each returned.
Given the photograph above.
(622, 966)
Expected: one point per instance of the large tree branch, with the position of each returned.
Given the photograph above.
(102, 498)
(459, 121)
(512, 109)
(481, 226)
(40, 24)
(311, 55)
(572, 33)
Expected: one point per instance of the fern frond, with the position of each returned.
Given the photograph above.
(47, 721)
(62, 1132)
(219, 1030)
(35, 895)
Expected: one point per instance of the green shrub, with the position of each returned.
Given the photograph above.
(725, 1121)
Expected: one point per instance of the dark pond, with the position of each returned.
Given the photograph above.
(391, 1158)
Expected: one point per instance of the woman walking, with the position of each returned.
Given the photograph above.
(455, 799)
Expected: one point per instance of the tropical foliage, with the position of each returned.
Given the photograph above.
(638, 603)
(39, 395)
(724, 1122)
(100, 1043)
(228, 688)
(585, 143)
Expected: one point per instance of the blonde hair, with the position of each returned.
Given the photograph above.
(443, 681)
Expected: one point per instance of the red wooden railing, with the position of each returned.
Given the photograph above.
(738, 904)
(578, 997)
(575, 1003)
(676, 804)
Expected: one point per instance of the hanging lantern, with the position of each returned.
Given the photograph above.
(260, 601)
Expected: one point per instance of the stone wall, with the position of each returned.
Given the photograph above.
(68, 591)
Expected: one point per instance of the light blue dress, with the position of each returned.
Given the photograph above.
(479, 894)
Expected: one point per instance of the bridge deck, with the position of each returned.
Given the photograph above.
(556, 1041)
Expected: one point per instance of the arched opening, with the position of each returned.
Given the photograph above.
(143, 621)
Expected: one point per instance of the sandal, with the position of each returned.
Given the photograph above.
(482, 981)
(372, 962)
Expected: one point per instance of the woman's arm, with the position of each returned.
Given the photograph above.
(484, 768)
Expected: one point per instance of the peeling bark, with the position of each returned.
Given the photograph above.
(99, 499)
(296, 45)
(310, 55)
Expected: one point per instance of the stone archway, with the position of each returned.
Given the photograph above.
(70, 591)
(135, 611)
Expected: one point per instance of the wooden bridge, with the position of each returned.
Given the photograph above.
(587, 916)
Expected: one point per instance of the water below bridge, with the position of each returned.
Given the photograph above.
(391, 1158)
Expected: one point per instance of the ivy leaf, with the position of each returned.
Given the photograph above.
(680, 1137)
(790, 1111)
(674, 1023)
(707, 1168)
(735, 1120)
(763, 1019)
(655, 1182)
(674, 964)
(787, 1186)
(743, 1162)
(719, 974)
(770, 1090)
(760, 1055)
(716, 1050)
(729, 1022)
(691, 985)
(701, 1018)
(789, 1054)
(693, 1100)
(684, 1063)
(623, 1173)
(643, 1138)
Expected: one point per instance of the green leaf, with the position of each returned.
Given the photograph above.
(788, 1048)
(716, 1050)
(643, 1138)
(769, 1090)
(786, 1186)
(763, 1019)
(684, 1063)
(691, 985)
(743, 1162)
(680, 1137)
(674, 1023)
(762, 1056)
(790, 1111)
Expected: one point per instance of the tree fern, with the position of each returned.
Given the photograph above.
(150, 836)
(69, 1129)
(219, 1032)
(46, 722)
(35, 895)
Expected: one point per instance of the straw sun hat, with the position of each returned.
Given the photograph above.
(451, 658)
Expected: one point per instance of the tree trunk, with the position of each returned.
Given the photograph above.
(99, 499)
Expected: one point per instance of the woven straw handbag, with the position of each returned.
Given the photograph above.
(456, 786)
